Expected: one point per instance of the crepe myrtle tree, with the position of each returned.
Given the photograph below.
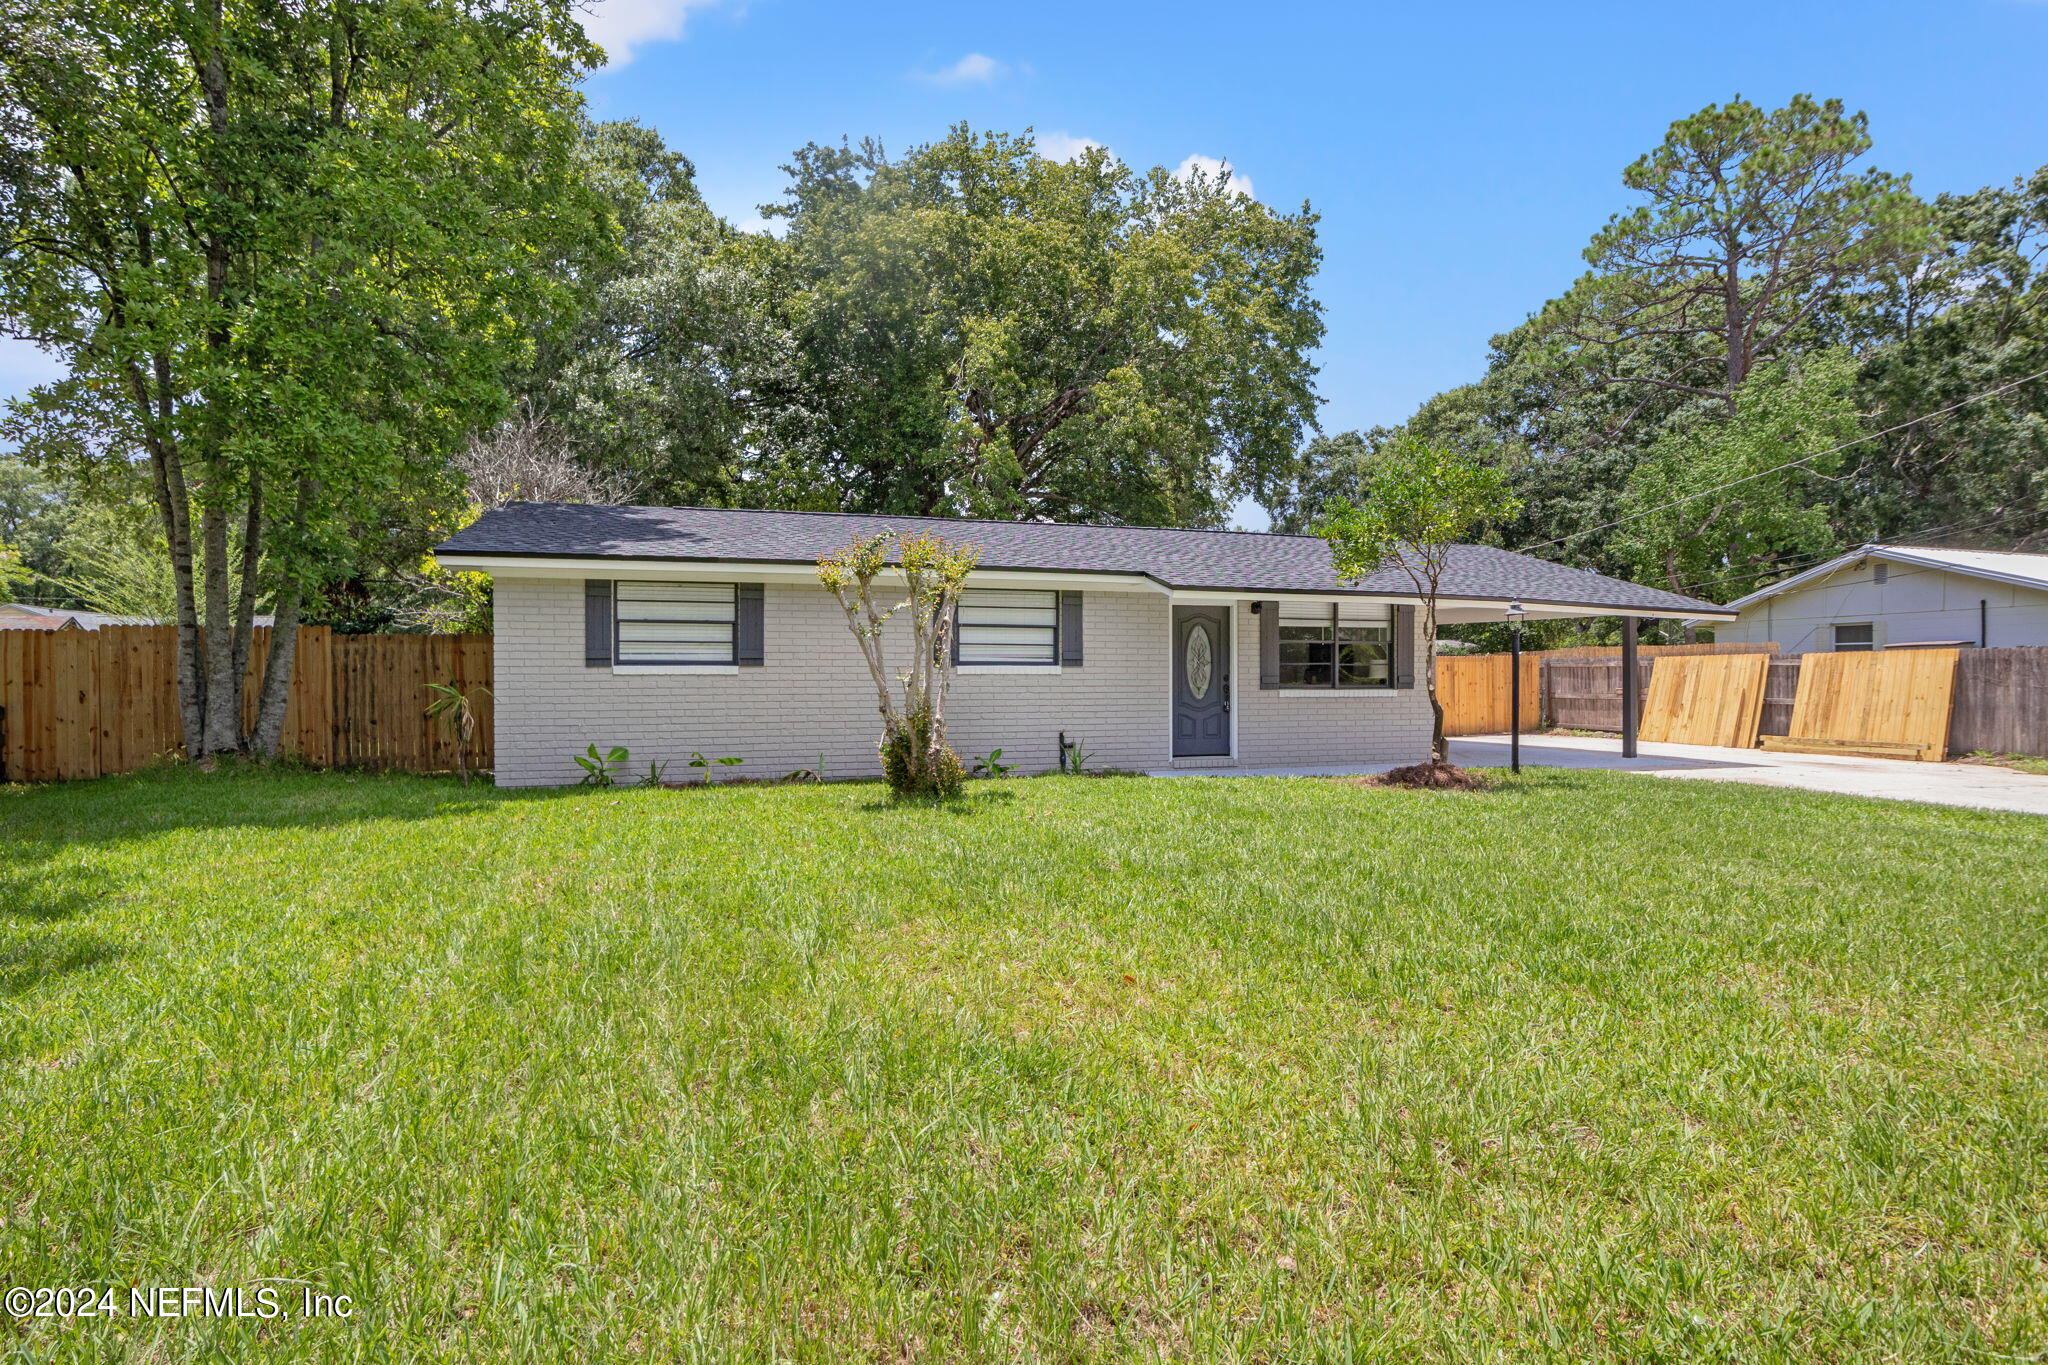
(1423, 500)
(916, 759)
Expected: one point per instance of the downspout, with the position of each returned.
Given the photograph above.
(1983, 623)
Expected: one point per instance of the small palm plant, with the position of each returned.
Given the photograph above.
(453, 707)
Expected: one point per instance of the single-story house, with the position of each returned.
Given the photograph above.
(1894, 596)
(672, 630)
(21, 616)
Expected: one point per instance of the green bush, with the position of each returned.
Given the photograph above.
(942, 775)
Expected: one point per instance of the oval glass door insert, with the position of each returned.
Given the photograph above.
(1201, 660)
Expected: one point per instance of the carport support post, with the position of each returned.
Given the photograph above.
(1628, 687)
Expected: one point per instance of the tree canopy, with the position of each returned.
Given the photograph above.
(974, 328)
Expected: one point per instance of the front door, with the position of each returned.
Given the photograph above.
(1201, 681)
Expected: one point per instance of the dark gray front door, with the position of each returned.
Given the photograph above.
(1201, 681)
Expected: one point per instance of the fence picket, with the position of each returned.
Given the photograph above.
(86, 703)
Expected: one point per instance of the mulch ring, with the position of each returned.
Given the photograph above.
(1443, 777)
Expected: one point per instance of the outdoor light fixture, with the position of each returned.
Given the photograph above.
(1515, 615)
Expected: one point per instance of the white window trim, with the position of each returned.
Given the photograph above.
(1040, 669)
(622, 669)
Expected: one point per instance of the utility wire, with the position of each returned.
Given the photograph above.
(1777, 469)
(1914, 542)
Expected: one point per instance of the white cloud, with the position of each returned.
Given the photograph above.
(1214, 168)
(1065, 146)
(974, 69)
(622, 26)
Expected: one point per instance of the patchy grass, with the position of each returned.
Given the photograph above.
(1580, 1068)
(2026, 763)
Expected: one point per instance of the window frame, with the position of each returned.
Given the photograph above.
(1333, 640)
(1835, 645)
(1055, 633)
(728, 664)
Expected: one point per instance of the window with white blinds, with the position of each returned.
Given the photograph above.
(1008, 626)
(1336, 644)
(675, 623)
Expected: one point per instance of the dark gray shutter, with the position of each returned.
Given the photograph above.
(1269, 644)
(1404, 646)
(597, 622)
(1070, 629)
(749, 650)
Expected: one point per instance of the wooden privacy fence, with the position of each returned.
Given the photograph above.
(1474, 690)
(1706, 699)
(2001, 702)
(1585, 694)
(1891, 703)
(1998, 703)
(85, 703)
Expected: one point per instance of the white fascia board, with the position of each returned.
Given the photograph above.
(1222, 596)
(1803, 577)
(1466, 611)
(522, 566)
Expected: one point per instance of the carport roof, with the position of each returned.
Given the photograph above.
(1247, 563)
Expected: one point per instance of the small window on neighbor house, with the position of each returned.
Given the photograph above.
(1008, 626)
(1856, 637)
(675, 623)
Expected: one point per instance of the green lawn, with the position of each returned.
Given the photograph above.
(1587, 1067)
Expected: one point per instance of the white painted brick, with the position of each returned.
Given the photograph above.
(812, 697)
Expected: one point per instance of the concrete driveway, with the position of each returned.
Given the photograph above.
(1945, 784)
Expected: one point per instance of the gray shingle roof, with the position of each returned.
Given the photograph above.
(1233, 561)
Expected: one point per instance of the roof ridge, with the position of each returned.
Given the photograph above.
(914, 516)
(1956, 550)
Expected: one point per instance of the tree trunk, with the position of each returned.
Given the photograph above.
(1439, 743)
(275, 692)
(168, 478)
(277, 673)
(223, 733)
(245, 600)
(223, 719)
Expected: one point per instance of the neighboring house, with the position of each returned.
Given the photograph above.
(76, 620)
(677, 629)
(20, 616)
(1892, 596)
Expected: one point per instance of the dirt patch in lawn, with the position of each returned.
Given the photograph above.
(1442, 777)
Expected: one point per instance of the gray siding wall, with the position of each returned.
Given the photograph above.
(1911, 604)
(812, 698)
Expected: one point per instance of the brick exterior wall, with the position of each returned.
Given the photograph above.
(1296, 726)
(812, 698)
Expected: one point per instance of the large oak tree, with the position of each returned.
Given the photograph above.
(974, 328)
(287, 250)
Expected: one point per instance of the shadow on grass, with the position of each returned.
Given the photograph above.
(43, 827)
(967, 803)
(31, 962)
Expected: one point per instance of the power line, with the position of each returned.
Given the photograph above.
(1777, 469)
(1952, 528)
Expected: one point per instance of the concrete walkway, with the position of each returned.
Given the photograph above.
(1945, 784)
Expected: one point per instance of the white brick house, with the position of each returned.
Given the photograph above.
(679, 630)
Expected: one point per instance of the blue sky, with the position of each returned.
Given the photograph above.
(1460, 154)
